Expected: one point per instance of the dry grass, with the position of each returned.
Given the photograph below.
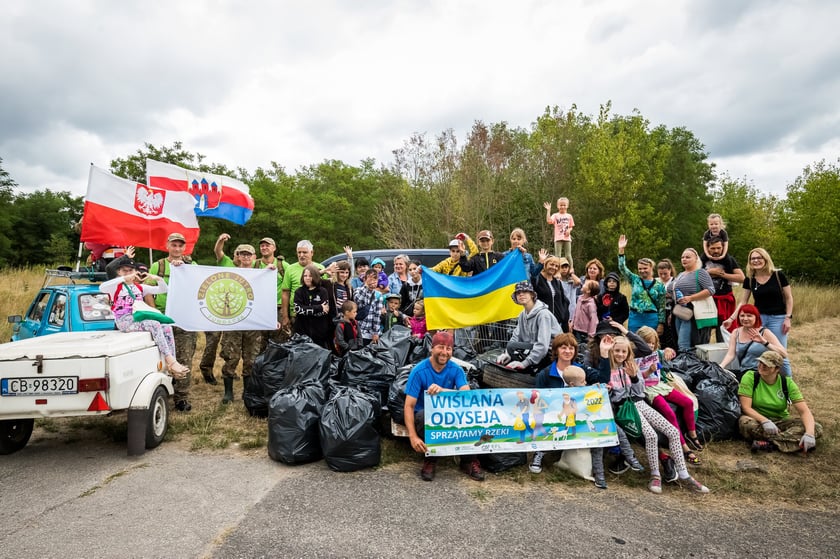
(811, 481)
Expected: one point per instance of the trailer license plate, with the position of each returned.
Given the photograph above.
(43, 386)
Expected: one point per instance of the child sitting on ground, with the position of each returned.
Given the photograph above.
(660, 394)
(575, 376)
(626, 382)
(417, 323)
(347, 330)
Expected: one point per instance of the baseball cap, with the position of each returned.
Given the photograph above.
(771, 359)
(175, 237)
(268, 240)
(443, 338)
(485, 234)
(455, 243)
(393, 296)
(564, 261)
(245, 248)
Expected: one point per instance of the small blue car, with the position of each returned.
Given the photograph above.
(74, 305)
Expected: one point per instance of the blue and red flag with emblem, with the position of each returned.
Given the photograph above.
(215, 195)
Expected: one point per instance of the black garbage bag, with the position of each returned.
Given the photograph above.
(268, 374)
(370, 369)
(396, 394)
(500, 461)
(307, 361)
(294, 415)
(690, 367)
(399, 342)
(253, 393)
(717, 395)
(422, 349)
(349, 439)
(719, 410)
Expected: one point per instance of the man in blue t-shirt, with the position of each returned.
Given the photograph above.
(435, 375)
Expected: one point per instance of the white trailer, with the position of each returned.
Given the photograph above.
(77, 374)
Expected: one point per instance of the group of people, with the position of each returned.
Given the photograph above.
(562, 314)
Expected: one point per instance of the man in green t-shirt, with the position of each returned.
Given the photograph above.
(269, 260)
(291, 281)
(184, 340)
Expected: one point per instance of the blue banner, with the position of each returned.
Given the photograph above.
(518, 420)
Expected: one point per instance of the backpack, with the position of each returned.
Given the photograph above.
(343, 326)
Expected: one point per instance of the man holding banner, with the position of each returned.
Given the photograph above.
(434, 375)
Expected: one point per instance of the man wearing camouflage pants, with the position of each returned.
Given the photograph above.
(184, 340)
(237, 344)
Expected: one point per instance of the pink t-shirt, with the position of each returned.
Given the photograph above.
(563, 224)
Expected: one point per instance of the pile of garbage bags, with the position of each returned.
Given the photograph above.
(716, 390)
(321, 406)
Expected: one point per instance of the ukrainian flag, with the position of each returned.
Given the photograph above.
(457, 302)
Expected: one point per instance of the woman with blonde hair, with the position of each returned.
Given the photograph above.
(693, 284)
(772, 295)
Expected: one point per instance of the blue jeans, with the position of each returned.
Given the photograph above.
(683, 334)
(774, 322)
(639, 319)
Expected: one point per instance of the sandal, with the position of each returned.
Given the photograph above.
(691, 458)
(694, 442)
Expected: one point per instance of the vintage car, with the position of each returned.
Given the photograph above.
(68, 301)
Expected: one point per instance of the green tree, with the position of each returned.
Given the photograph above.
(45, 220)
(750, 217)
(810, 220)
(7, 195)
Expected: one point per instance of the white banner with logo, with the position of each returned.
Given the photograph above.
(207, 298)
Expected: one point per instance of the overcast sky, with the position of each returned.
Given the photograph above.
(250, 82)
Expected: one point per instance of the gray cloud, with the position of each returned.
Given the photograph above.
(251, 82)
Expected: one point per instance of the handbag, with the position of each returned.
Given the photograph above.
(705, 310)
(683, 312)
(627, 416)
(141, 311)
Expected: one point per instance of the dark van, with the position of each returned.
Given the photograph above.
(427, 256)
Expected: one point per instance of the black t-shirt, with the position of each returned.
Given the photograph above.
(768, 296)
(729, 265)
(724, 236)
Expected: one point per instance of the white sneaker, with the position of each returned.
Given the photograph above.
(536, 463)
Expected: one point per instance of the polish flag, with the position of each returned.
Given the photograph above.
(214, 195)
(126, 213)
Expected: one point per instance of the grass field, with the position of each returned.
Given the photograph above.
(736, 477)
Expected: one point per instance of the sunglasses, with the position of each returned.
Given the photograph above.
(241, 254)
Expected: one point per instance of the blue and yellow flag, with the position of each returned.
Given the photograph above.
(457, 302)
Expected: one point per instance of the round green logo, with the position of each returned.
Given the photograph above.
(226, 298)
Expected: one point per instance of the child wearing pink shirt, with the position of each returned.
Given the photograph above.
(563, 224)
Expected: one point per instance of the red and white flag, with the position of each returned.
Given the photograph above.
(214, 195)
(126, 213)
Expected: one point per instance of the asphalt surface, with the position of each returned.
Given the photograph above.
(88, 499)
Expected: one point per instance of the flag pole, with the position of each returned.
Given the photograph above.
(79, 256)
